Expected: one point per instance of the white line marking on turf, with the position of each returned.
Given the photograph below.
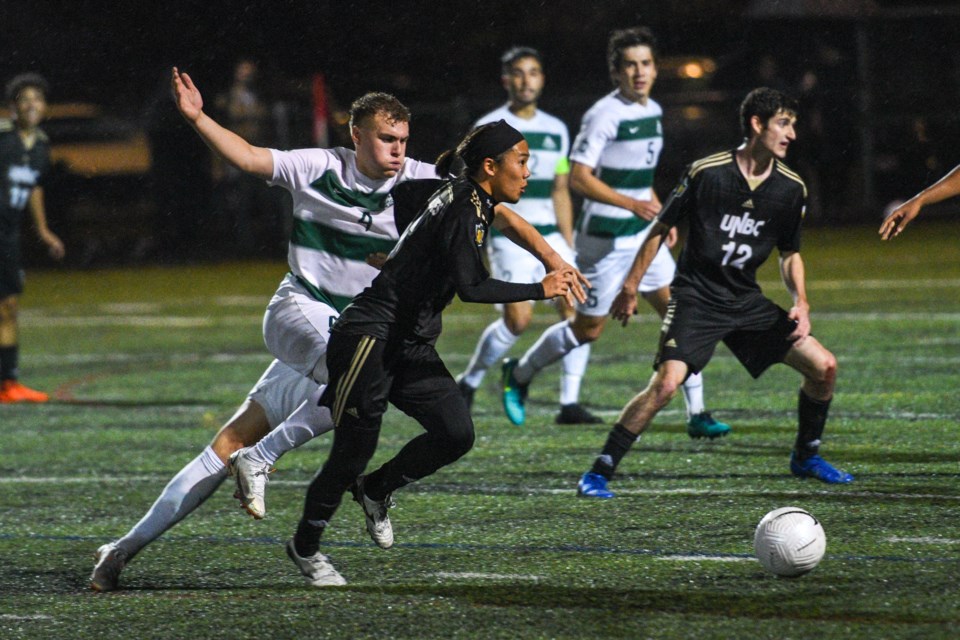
(680, 491)
(924, 540)
(704, 558)
(485, 576)
(13, 616)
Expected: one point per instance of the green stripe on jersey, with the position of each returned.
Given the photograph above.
(627, 178)
(313, 235)
(542, 229)
(603, 227)
(335, 301)
(640, 129)
(542, 141)
(538, 189)
(329, 185)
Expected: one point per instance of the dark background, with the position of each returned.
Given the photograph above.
(878, 123)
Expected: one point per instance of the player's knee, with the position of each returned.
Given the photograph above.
(460, 441)
(516, 324)
(664, 389)
(827, 369)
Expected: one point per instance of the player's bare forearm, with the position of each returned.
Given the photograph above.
(946, 187)
(645, 255)
(563, 207)
(584, 182)
(792, 272)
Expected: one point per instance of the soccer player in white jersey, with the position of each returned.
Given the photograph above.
(612, 166)
(342, 217)
(546, 205)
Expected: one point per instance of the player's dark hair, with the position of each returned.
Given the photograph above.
(513, 54)
(452, 162)
(765, 103)
(20, 82)
(370, 104)
(622, 39)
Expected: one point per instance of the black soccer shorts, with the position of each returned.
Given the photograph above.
(756, 334)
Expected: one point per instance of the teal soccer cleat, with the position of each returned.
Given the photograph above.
(702, 425)
(514, 394)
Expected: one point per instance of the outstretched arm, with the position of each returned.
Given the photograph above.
(244, 156)
(523, 234)
(946, 187)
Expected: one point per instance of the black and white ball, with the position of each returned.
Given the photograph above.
(789, 542)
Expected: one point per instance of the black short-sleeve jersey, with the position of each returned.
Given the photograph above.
(21, 170)
(439, 254)
(732, 228)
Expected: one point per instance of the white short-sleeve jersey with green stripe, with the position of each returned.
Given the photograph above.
(339, 217)
(621, 140)
(549, 144)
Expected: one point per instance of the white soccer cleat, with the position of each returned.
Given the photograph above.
(375, 512)
(251, 483)
(111, 560)
(316, 568)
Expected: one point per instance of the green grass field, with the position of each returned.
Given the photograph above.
(146, 364)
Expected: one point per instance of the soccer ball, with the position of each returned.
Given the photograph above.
(789, 542)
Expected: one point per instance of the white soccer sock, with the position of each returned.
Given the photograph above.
(693, 394)
(574, 367)
(494, 343)
(185, 492)
(303, 425)
(554, 343)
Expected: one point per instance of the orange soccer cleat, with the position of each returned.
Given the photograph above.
(13, 391)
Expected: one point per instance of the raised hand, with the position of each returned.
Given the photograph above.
(186, 95)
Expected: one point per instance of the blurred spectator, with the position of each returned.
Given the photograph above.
(246, 207)
(827, 150)
(179, 178)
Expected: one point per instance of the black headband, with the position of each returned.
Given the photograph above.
(490, 143)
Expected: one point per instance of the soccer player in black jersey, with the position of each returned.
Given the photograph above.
(382, 348)
(24, 162)
(739, 206)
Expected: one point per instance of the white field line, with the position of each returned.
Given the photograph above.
(704, 559)
(486, 489)
(486, 576)
(13, 616)
(924, 540)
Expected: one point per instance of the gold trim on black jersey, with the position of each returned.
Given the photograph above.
(790, 173)
(714, 160)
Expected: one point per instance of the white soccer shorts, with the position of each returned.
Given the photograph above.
(296, 328)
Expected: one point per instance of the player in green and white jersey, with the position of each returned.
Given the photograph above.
(343, 216)
(547, 205)
(613, 161)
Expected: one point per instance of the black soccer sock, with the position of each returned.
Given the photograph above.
(618, 443)
(9, 357)
(812, 416)
(307, 538)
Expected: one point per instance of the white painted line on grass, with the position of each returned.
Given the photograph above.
(486, 576)
(705, 558)
(924, 540)
(13, 616)
(525, 490)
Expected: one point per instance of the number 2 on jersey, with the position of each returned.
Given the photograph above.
(741, 251)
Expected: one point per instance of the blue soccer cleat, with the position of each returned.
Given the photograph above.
(514, 393)
(702, 425)
(817, 467)
(593, 485)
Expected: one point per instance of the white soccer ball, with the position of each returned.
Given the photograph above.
(789, 541)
